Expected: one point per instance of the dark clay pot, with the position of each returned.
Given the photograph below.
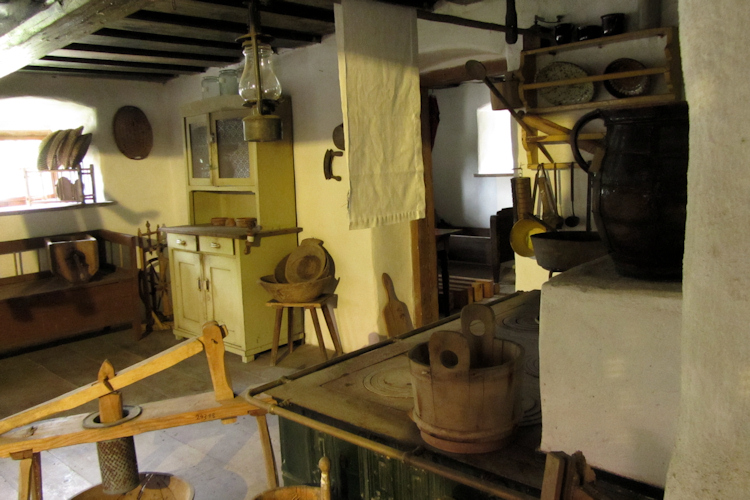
(640, 191)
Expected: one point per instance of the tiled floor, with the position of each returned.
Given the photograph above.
(222, 462)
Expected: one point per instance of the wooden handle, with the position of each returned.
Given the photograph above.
(388, 284)
(450, 355)
(325, 482)
(213, 344)
(484, 343)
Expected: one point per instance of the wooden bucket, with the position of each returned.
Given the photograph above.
(466, 387)
(75, 258)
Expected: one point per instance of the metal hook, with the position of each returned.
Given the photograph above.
(327, 164)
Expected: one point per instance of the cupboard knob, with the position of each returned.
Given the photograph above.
(181, 242)
(215, 245)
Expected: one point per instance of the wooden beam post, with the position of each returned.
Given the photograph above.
(60, 24)
(424, 251)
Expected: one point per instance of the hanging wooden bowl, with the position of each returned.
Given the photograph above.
(132, 131)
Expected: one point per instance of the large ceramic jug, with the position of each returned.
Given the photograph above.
(640, 190)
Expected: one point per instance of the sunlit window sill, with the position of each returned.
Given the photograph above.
(493, 175)
(50, 207)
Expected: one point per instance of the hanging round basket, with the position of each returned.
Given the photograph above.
(132, 131)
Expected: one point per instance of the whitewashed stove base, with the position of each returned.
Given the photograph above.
(609, 352)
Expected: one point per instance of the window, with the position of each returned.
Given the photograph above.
(24, 123)
(495, 141)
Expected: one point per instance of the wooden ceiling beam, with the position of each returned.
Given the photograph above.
(57, 26)
(116, 75)
(83, 51)
(299, 12)
(109, 65)
(145, 39)
(282, 38)
(224, 30)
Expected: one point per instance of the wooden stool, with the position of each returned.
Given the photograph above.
(325, 303)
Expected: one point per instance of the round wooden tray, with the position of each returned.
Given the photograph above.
(132, 131)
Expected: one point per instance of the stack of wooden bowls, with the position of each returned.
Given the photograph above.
(303, 275)
(63, 149)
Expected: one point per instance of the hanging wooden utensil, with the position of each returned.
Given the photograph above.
(395, 312)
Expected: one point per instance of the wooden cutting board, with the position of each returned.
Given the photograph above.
(395, 312)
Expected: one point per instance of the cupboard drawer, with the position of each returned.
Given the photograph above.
(182, 241)
(211, 244)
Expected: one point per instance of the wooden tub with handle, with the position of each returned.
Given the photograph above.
(467, 387)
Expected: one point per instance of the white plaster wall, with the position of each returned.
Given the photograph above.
(712, 456)
(460, 198)
(609, 355)
(150, 189)
(310, 76)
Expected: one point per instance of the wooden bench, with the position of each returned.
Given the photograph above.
(37, 307)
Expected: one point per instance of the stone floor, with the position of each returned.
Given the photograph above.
(222, 462)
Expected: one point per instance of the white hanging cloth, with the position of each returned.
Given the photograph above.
(380, 99)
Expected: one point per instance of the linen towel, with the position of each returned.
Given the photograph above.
(380, 99)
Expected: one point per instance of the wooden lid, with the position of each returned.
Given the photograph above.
(132, 131)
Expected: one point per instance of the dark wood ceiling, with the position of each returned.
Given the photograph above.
(160, 39)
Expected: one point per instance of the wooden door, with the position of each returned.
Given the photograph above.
(224, 296)
(187, 292)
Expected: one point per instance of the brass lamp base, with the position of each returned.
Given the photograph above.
(261, 128)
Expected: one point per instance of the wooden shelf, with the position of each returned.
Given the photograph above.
(627, 102)
(602, 41)
(667, 71)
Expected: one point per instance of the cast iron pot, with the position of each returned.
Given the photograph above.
(640, 191)
(563, 250)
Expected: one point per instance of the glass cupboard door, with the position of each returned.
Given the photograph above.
(233, 155)
(199, 138)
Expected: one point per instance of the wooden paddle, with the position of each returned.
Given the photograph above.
(395, 312)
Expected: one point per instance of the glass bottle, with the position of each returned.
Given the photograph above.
(209, 86)
(228, 82)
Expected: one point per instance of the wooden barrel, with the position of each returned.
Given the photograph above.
(459, 408)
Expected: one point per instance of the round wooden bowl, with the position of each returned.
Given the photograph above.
(248, 222)
(278, 273)
(291, 493)
(294, 292)
(153, 486)
(218, 221)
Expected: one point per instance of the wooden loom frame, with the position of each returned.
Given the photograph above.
(23, 436)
